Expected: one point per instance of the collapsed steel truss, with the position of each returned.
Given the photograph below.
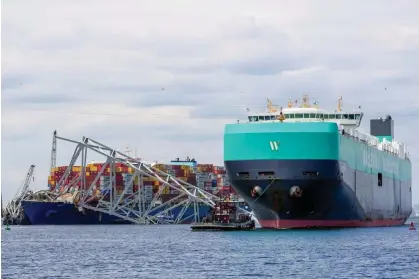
(13, 211)
(132, 207)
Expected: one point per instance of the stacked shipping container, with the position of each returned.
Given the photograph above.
(122, 177)
(206, 176)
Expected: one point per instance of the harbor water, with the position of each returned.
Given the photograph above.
(174, 251)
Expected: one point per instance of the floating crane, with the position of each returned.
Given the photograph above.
(13, 212)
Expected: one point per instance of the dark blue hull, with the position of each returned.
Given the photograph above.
(58, 213)
(331, 194)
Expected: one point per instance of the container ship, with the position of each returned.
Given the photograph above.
(301, 167)
(62, 210)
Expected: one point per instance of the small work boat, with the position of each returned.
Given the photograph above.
(226, 216)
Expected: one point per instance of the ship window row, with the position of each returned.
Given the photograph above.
(349, 116)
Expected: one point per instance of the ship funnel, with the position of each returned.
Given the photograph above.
(382, 128)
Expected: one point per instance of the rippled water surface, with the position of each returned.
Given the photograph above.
(175, 252)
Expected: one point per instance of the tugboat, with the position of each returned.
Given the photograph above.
(226, 216)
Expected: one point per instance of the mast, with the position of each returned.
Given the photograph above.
(339, 104)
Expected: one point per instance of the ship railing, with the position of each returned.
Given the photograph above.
(355, 134)
(388, 147)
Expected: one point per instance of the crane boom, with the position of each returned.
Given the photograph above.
(13, 212)
(25, 186)
(54, 151)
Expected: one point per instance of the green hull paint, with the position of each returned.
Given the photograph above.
(301, 141)
(381, 138)
(310, 141)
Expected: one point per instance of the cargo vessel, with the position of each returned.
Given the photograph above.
(63, 211)
(301, 167)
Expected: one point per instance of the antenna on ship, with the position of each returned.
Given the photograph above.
(306, 103)
(269, 105)
(339, 104)
(289, 103)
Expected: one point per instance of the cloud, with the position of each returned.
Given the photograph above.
(166, 79)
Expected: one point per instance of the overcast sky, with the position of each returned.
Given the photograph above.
(164, 77)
